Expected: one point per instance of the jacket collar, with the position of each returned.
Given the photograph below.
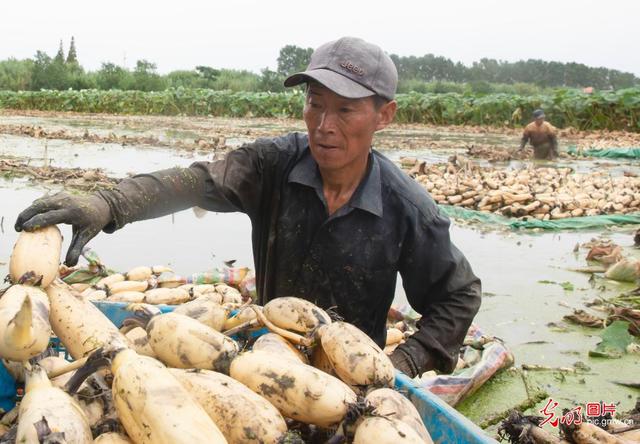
(368, 195)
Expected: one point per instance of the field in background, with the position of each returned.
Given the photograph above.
(613, 110)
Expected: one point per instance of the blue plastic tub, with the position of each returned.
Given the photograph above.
(117, 311)
(7, 389)
(445, 424)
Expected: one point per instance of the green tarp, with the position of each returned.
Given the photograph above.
(573, 223)
(473, 215)
(579, 223)
(610, 153)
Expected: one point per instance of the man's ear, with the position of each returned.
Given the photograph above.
(386, 113)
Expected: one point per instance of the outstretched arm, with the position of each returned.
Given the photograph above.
(231, 184)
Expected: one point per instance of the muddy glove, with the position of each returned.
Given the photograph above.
(87, 215)
(403, 362)
(412, 359)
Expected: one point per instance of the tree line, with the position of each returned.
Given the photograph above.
(537, 72)
(427, 73)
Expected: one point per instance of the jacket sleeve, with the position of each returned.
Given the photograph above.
(231, 184)
(441, 286)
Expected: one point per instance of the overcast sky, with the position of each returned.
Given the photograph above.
(246, 34)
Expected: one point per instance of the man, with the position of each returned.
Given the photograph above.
(542, 136)
(332, 220)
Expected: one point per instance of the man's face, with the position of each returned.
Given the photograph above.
(341, 129)
(539, 120)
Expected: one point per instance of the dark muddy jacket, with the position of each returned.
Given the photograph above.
(349, 260)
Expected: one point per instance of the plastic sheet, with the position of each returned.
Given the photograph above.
(609, 153)
(455, 387)
(571, 223)
(579, 223)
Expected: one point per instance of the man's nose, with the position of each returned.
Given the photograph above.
(327, 121)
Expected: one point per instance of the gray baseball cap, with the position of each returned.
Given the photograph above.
(351, 68)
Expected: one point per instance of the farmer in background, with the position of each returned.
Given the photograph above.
(542, 136)
(333, 221)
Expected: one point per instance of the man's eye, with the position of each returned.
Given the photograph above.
(345, 110)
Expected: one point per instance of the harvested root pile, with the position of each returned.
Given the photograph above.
(416, 141)
(543, 193)
(76, 178)
(170, 378)
(184, 376)
(601, 139)
(210, 143)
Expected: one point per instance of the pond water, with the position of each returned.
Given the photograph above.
(115, 159)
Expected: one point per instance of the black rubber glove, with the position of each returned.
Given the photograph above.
(403, 362)
(412, 359)
(87, 214)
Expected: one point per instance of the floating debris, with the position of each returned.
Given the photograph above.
(201, 143)
(75, 178)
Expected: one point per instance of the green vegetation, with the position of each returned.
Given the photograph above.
(564, 108)
(615, 340)
(566, 285)
(441, 87)
(424, 74)
(179, 101)
(615, 110)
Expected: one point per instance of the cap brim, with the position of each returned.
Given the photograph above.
(339, 84)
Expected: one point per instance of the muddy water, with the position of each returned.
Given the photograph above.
(516, 307)
(237, 131)
(117, 160)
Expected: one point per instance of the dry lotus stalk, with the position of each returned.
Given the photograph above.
(583, 318)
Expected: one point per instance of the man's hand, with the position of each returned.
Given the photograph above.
(403, 362)
(516, 151)
(87, 214)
